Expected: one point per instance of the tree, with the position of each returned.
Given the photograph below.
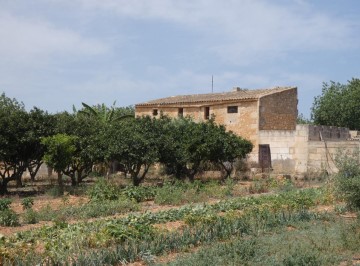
(14, 145)
(187, 145)
(59, 153)
(226, 147)
(40, 124)
(338, 105)
(134, 144)
(85, 128)
(105, 114)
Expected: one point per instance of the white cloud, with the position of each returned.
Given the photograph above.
(27, 40)
(245, 31)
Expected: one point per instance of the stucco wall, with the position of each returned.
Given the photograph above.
(278, 111)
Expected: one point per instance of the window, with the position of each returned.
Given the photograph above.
(155, 112)
(180, 112)
(207, 113)
(232, 109)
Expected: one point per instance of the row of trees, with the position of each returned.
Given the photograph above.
(72, 143)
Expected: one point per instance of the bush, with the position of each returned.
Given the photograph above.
(348, 178)
(260, 186)
(4, 204)
(140, 193)
(103, 190)
(31, 217)
(27, 203)
(9, 218)
(54, 192)
(181, 192)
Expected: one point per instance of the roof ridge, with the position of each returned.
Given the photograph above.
(239, 94)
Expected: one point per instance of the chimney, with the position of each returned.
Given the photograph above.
(236, 89)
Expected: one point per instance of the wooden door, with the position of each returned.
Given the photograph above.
(264, 157)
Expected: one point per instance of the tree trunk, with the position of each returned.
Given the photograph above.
(19, 182)
(60, 183)
(50, 171)
(74, 182)
(33, 172)
(3, 187)
(136, 181)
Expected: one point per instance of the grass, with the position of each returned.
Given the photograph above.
(314, 242)
(267, 229)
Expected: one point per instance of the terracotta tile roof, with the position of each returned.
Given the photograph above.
(240, 94)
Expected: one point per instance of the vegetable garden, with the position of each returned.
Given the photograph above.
(172, 219)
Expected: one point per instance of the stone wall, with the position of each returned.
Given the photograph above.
(278, 111)
(296, 151)
(318, 133)
(243, 123)
(322, 154)
(288, 149)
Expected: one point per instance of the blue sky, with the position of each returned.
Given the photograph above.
(56, 53)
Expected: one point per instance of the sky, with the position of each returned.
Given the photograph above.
(58, 53)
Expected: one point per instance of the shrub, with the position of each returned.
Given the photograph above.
(9, 218)
(140, 193)
(4, 204)
(169, 194)
(54, 192)
(31, 217)
(260, 186)
(103, 190)
(181, 192)
(348, 178)
(27, 203)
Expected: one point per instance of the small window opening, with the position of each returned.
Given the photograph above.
(181, 112)
(155, 112)
(232, 109)
(207, 113)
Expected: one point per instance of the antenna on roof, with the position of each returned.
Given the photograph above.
(212, 83)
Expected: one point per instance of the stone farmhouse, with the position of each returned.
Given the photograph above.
(266, 117)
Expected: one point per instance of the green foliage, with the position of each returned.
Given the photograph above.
(140, 193)
(14, 149)
(348, 178)
(108, 241)
(30, 216)
(105, 114)
(86, 129)
(54, 192)
(301, 119)
(339, 105)
(92, 209)
(59, 151)
(104, 190)
(27, 203)
(4, 204)
(259, 186)
(186, 145)
(350, 235)
(134, 143)
(9, 218)
(181, 192)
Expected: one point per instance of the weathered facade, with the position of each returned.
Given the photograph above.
(245, 112)
(267, 118)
